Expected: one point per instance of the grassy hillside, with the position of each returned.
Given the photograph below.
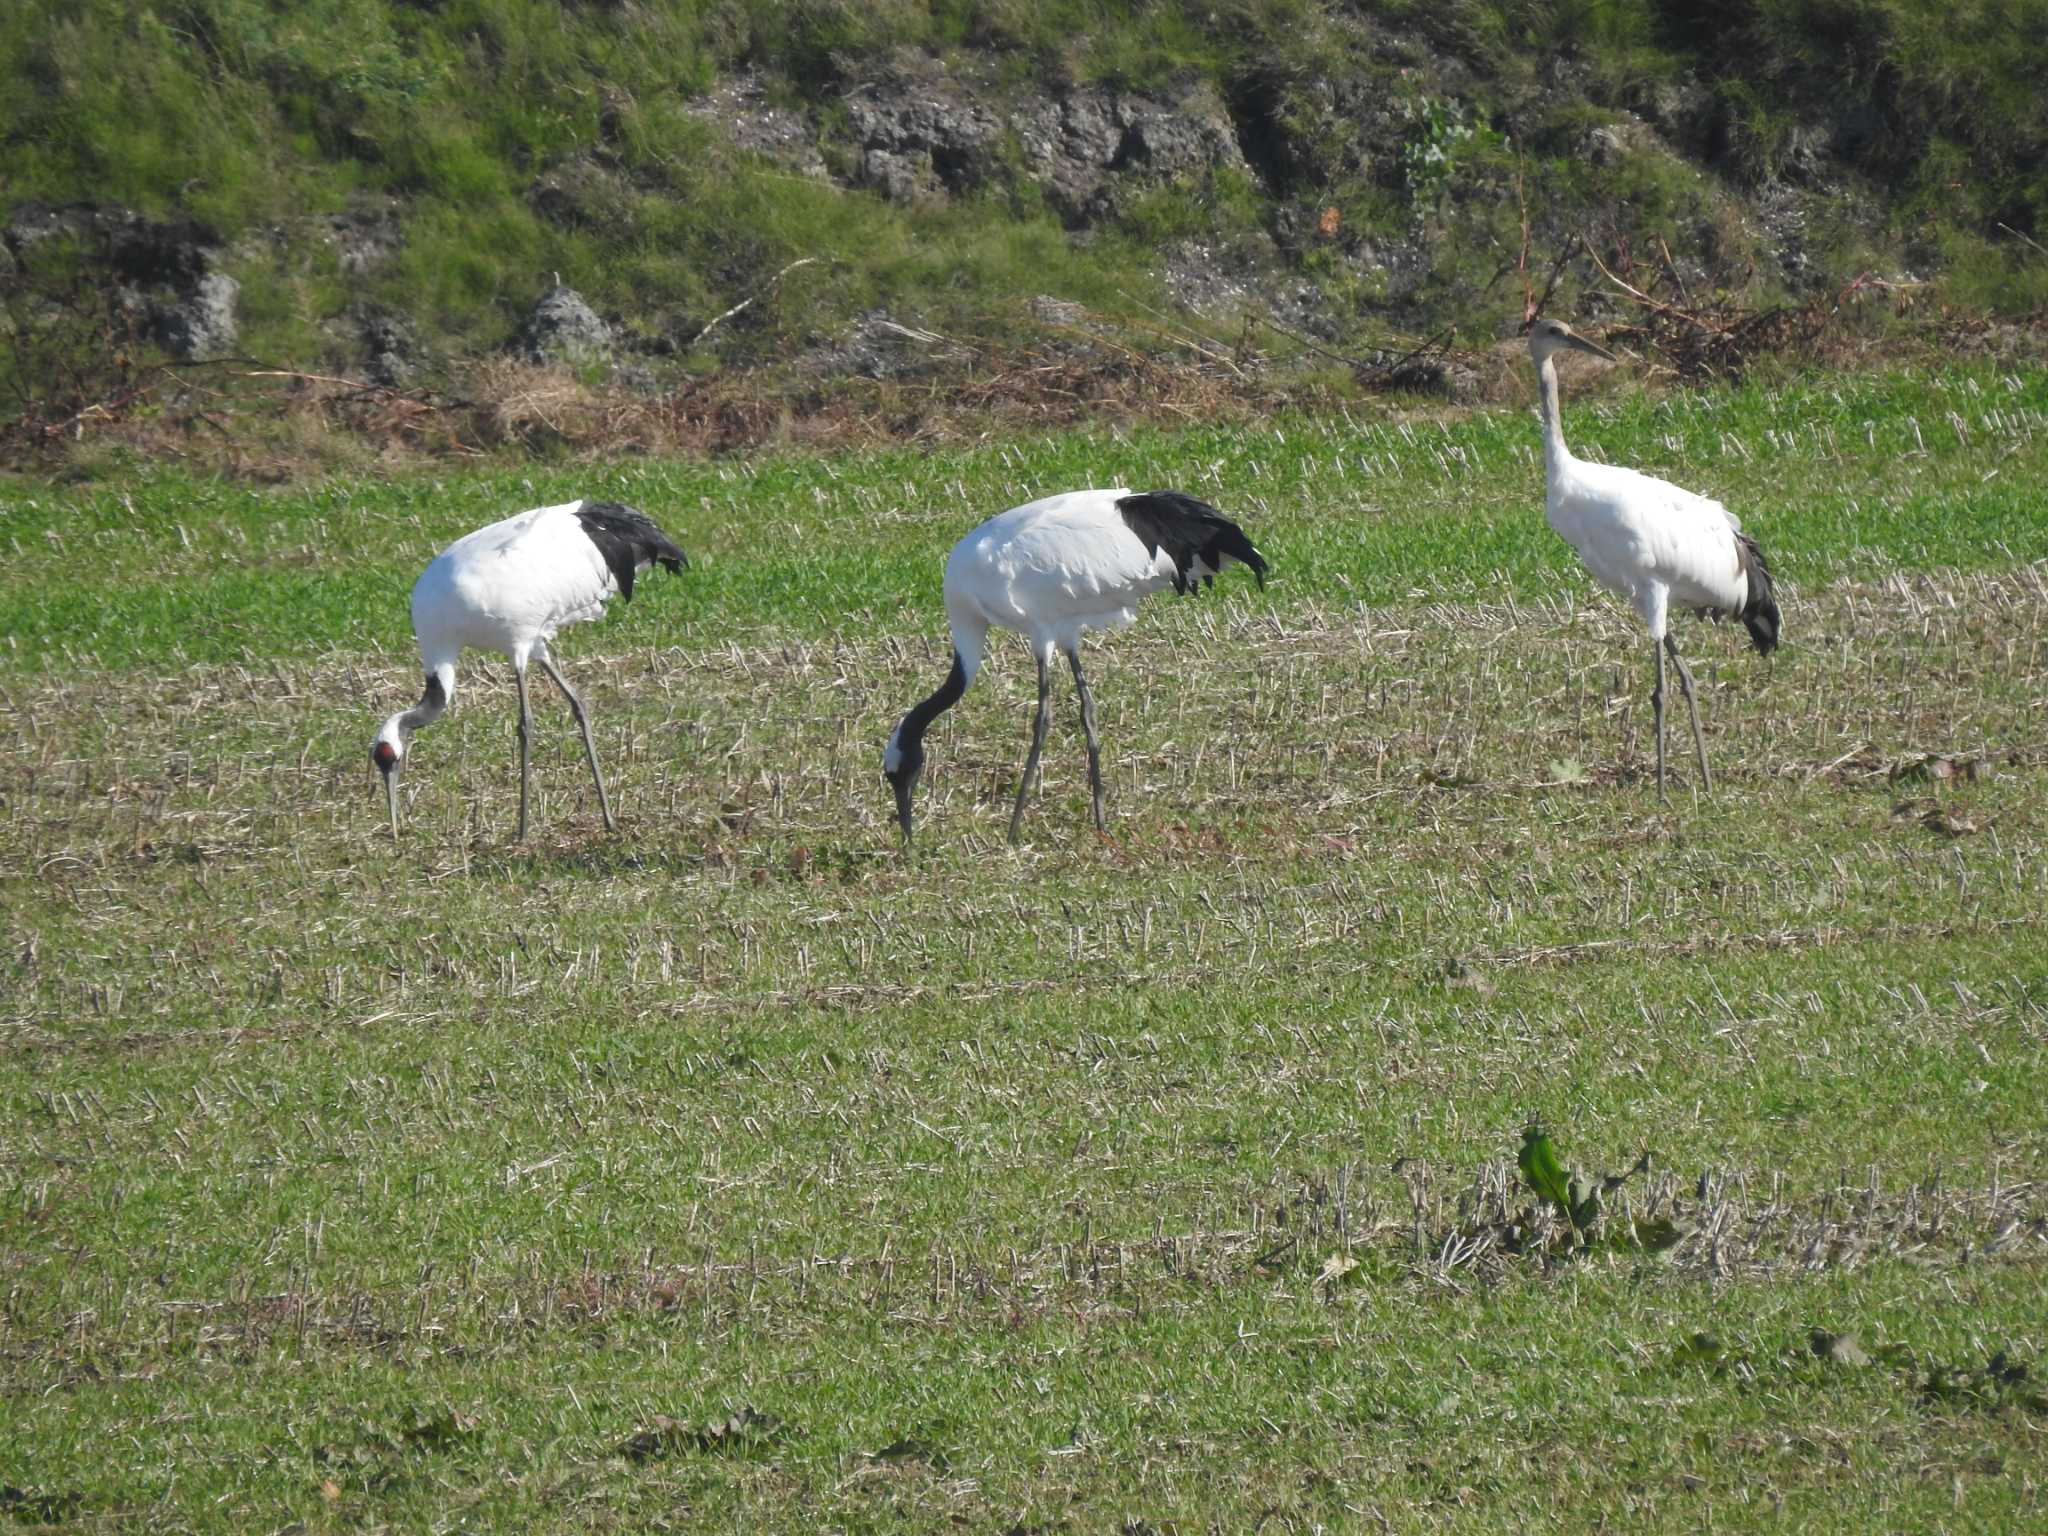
(1409, 167)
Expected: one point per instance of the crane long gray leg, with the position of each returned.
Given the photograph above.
(1088, 729)
(525, 748)
(1699, 742)
(1038, 730)
(1657, 708)
(604, 803)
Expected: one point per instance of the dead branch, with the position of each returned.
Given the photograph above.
(1642, 298)
(718, 320)
(362, 385)
(2024, 239)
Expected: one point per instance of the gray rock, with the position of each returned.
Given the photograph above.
(362, 241)
(1081, 147)
(139, 252)
(1162, 144)
(916, 138)
(29, 224)
(157, 273)
(203, 325)
(564, 328)
(1603, 145)
(391, 369)
(901, 178)
(391, 347)
(918, 135)
(32, 224)
(1048, 310)
(583, 193)
(1804, 159)
(1683, 111)
(1069, 145)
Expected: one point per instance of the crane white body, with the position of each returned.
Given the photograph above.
(509, 587)
(1053, 570)
(1656, 544)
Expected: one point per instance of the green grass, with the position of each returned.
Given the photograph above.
(202, 570)
(349, 1184)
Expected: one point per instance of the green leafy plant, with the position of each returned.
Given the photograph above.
(1575, 1195)
(1445, 134)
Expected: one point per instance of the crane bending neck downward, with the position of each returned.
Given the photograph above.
(903, 759)
(387, 752)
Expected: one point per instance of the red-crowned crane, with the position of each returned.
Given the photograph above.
(1053, 570)
(508, 587)
(1655, 544)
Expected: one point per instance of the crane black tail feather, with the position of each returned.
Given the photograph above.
(629, 540)
(1759, 614)
(1196, 537)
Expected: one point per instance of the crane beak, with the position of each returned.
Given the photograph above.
(391, 798)
(903, 787)
(1594, 347)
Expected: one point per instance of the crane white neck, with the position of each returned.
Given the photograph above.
(1556, 456)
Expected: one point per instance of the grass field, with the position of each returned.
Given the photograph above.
(746, 1171)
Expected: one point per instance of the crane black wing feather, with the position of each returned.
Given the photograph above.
(629, 540)
(1195, 536)
(1759, 611)
(1759, 614)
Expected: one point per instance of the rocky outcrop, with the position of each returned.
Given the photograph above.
(1080, 148)
(363, 240)
(162, 271)
(203, 324)
(916, 138)
(564, 328)
(915, 132)
(1369, 186)
(140, 252)
(391, 348)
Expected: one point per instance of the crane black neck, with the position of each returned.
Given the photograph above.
(433, 699)
(927, 710)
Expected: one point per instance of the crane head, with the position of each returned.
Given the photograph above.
(902, 762)
(387, 756)
(1550, 336)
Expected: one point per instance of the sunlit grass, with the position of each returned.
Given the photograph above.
(1836, 478)
(352, 1181)
(1165, 1178)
